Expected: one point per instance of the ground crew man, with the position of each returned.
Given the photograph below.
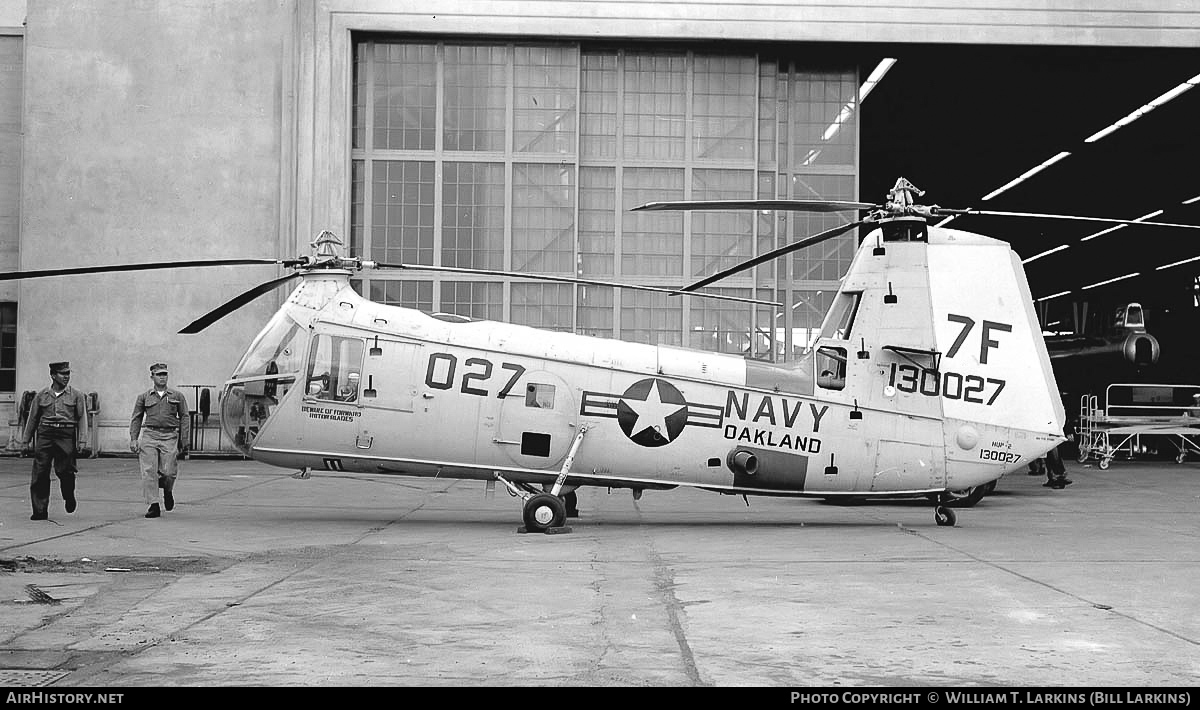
(159, 432)
(58, 415)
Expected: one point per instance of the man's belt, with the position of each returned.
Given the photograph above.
(163, 428)
(57, 425)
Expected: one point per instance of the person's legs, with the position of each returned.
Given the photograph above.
(1056, 471)
(148, 464)
(168, 469)
(39, 480)
(65, 468)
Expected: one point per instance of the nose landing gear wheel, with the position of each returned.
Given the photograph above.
(544, 511)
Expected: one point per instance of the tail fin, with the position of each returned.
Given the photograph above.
(988, 332)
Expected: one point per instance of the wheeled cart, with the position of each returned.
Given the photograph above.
(1132, 411)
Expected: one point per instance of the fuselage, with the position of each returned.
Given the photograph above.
(929, 374)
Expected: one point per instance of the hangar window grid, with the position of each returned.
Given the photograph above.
(518, 156)
(473, 300)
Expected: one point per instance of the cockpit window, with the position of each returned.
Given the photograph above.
(840, 319)
(1129, 316)
(278, 347)
(334, 368)
(831, 368)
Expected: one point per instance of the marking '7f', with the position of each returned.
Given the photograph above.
(985, 341)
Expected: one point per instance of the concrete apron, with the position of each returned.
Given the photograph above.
(261, 578)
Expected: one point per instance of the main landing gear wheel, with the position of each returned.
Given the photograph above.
(1181, 457)
(1104, 463)
(944, 516)
(543, 512)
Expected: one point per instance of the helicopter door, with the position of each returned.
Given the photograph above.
(387, 376)
(331, 391)
(537, 418)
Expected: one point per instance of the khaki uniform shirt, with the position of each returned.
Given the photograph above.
(170, 411)
(67, 407)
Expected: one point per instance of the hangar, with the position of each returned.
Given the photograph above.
(515, 136)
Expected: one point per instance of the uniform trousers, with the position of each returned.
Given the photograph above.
(1056, 471)
(54, 445)
(158, 459)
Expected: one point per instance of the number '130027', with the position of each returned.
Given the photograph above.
(951, 385)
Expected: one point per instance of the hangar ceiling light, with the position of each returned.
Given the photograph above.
(1108, 281)
(1143, 218)
(1144, 109)
(1176, 263)
(875, 77)
(1026, 175)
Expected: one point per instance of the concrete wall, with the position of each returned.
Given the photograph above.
(1143, 23)
(151, 134)
(12, 13)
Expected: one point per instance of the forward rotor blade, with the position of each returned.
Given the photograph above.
(784, 205)
(774, 254)
(229, 307)
(574, 280)
(15, 275)
(1137, 222)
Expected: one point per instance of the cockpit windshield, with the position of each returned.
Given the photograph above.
(262, 379)
(1129, 316)
(279, 343)
(840, 319)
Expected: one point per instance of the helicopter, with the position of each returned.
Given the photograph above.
(929, 375)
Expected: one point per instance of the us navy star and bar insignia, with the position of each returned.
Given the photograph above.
(651, 412)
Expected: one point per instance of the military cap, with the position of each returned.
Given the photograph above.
(158, 367)
(60, 366)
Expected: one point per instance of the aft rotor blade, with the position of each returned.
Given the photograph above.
(39, 273)
(229, 307)
(574, 280)
(783, 205)
(774, 254)
(1137, 222)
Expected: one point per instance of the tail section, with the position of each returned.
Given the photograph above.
(946, 332)
(989, 335)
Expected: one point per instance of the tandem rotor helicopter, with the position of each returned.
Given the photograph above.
(930, 375)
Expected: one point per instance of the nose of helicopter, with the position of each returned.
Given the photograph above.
(233, 417)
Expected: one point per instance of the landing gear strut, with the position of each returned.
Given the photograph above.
(546, 512)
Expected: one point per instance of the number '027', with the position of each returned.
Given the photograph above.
(951, 385)
(440, 374)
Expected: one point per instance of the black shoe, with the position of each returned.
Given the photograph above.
(168, 499)
(1058, 486)
(1067, 481)
(1048, 484)
(39, 516)
(153, 512)
(573, 513)
(70, 504)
